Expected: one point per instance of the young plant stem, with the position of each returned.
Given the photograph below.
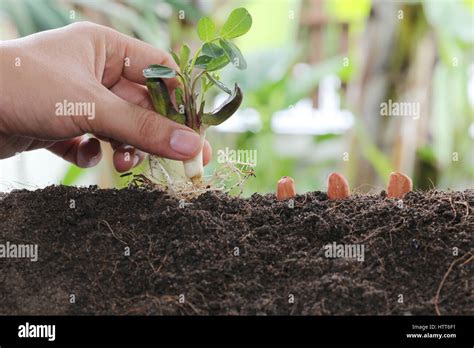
(193, 168)
(199, 52)
(196, 78)
(195, 58)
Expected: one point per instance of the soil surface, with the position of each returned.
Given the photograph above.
(134, 251)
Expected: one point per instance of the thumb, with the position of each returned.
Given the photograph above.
(143, 128)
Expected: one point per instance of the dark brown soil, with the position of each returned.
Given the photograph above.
(191, 251)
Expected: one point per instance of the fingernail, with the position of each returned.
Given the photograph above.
(185, 142)
(136, 159)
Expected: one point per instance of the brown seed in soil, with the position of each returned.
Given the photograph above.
(285, 188)
(338, 187)
(398, 185)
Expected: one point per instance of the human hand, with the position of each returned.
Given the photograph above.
(58, 85)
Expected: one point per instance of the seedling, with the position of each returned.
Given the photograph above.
(197, 75)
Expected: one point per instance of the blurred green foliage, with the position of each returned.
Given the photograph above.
(453, 25)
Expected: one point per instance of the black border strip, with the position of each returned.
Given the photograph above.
(220, 330)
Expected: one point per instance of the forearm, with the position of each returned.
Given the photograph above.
(6, 66)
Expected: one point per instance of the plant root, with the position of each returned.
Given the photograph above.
(438, 292)
(231, 176)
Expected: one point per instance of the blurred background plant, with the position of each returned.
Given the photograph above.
(318, 74)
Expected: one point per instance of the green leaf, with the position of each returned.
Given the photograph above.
(202, 61)
(179, 96)
(238, 23)
(211, 64)
(161, 100)
(217, 63)
(158, 71)
(219, 84)
(175, 57)
(234, 54)
(201, 108)
(212, 50)
(206, 29)
(184, 57)
(227, 109)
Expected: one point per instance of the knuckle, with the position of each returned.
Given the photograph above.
(143, 100)
(90, 29)
(83, 26)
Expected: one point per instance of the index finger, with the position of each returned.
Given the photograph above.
(127, 57)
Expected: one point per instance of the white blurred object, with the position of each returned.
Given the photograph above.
(471, 130)
(36, 169)
(470, 95)
(304, 119)
(470, 85)
(242, 121)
